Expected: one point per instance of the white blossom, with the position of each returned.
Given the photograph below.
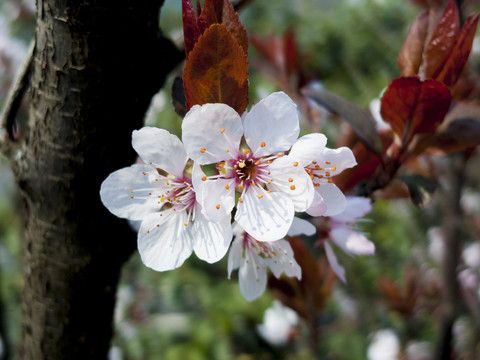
(161, 196)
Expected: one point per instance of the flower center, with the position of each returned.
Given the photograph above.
(321, 174)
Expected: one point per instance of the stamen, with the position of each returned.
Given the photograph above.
(222, 131)
(327, 162)
(204, 178)
(202, 150)
(218, 206)
(279, 154)
(292, 187)
(247, 151)
(262, 144)
(334, 168)
(240, 200)
(295, 163)
(330, 180)
(228, 150)
(260, 196)
(144, 173)
(227, 187)
(290, 180)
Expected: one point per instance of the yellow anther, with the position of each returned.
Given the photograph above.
(204, 178)
(262, 144)
(221, 165)
(185, 224)
(157, 180)
(290, 180)
(269, 161)
(202, 150)
(222, 131)
(227, 186)
(320, 176)
(257, 162)
(327, 162)
(189, 187)
(131, 191)
(150, 163)
(131, 197)
(162, 199)
(295, 163)
(247, 151)
(240, 186)
(292, 187)
(148, 231)
(327, 173)
(241, 165)
(334, 168)
(330, 180)
(240, 200)
(269, 191)
(218, 206)
(158, 225)
(144, 173)
(279, 154)
(314, 162)
(260, 196)
(228, 150)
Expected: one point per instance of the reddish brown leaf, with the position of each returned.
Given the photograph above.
(291, 53)
(410, 56)
(222, 12)
(458, 58)
(412, 106)
(459, 131)
(217, 71)
(191, 32)
(442, 41)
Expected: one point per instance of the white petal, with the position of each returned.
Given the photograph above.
(116, 196)
(301, 226)
(332, 260)
(218, 201)
(161, 148)
(235, 255)
(342, 158)
(352, 242)
(293, 181)
(308, 148)
(333, 198)
(197, 182)
(268, 218)
(166, 246)
(252, 278)
(357, 207)
(284, 260)
(273, 121)
(202, 129)
(318, 207)
(211, 239)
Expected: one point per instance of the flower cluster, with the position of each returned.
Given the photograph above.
(251, 170)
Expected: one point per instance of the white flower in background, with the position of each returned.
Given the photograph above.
(271, 186)
(162, 197)
(253, 257)
(384, 346)
(322, 164)
(344, 234)
(279, 324)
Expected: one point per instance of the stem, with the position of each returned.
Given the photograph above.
(452, 229)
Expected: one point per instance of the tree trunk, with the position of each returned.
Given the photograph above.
(95, 67)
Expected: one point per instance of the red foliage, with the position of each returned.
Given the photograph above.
(217, 71)
(412, 106)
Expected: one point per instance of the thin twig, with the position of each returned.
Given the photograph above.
(452, 226)
(14, 99)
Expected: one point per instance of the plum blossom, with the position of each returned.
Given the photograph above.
(342, 233)
(279, 324)
(160, 195)
(322, 164)
(271, 186)
(252, 257)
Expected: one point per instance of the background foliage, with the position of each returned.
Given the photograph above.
(195, 312)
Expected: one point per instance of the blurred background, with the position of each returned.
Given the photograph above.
(387, 308)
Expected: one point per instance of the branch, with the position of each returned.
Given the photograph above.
(452, 225)
(14, 99)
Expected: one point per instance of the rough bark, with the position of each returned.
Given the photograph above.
(95, 67)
